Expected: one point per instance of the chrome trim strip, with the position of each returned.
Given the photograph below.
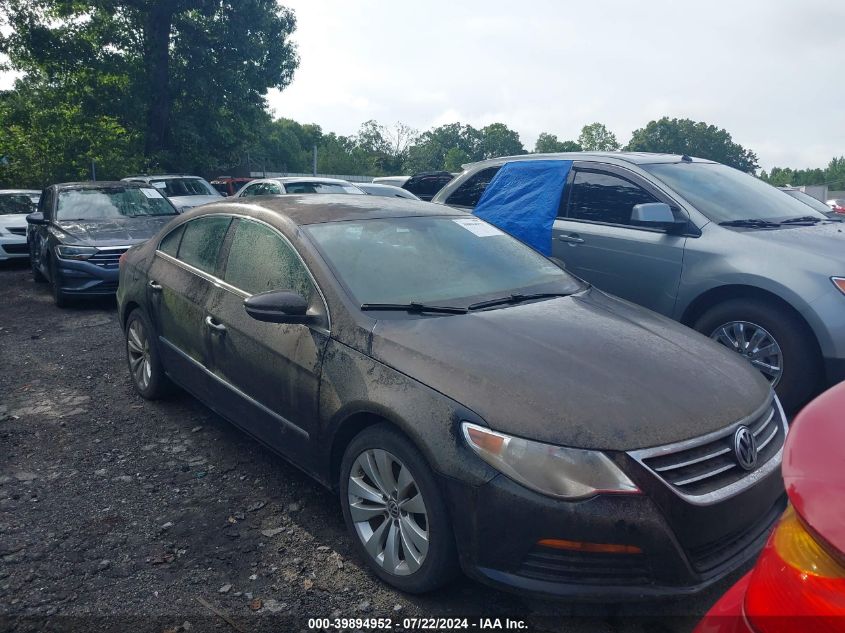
(201, 273)
(765, 424)
(706, 475)
(283, 421)
(766, 442)
(690, 462)
(731, 489)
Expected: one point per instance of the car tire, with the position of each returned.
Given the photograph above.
(145, 368)
(410, 568)
(60, 298)
(37, 275)
(800, 374)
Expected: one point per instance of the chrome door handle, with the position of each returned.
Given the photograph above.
(217, 327)
(155, 287)
(570, 239)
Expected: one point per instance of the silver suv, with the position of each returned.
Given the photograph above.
(707, 245)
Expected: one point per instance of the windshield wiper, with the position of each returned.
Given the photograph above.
(516, 298)
(414, 306)
(751, 223)
(804, 219)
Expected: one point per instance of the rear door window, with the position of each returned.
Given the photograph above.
(201, 242)
(170, 243)
(469, 193)
(260, 260)
(598, 196)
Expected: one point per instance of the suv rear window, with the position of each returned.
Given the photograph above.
(469, 193)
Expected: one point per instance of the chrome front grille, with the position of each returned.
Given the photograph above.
(108, 258)
(707, 468)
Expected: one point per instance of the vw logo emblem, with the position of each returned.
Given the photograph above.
(745, 448)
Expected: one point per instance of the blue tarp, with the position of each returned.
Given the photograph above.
(523, 200)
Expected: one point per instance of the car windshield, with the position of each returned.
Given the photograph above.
(724, 194)
(112, 203)
(15, 203)
(174, 187)
(433, 260)
(809, 200)
(321, 187)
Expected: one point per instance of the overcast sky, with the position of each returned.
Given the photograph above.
(770, 72)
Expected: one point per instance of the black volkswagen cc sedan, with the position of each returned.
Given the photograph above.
(474, 405)
(81, 229)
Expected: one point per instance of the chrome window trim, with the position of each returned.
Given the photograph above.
(237, 291)
(731, 489)
(282, 420)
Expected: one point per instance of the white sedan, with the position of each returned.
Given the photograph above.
(15, 205)
(296, 184)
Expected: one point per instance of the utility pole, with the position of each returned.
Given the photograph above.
(314, 160)
(93, 170)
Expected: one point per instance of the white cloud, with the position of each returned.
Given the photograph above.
(765, 71)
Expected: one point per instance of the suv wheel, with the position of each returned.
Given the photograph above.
(773, 340)
(395, 512)
(142, 357)
(59, 297)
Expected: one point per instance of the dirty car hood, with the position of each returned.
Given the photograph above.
(113, 232)
(587, 371)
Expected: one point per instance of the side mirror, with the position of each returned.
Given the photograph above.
(36, 218)
(278, 306)
(657, 215)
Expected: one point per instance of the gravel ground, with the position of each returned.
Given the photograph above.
(122, 514)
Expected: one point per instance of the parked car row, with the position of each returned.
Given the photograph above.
(445, 367)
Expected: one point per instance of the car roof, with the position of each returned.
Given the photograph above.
(635, 158)
(305, 209)
(158, 176)
(25, 191)
(95, 184)
(286, 179)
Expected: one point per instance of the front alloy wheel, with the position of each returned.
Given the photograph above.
(388, 511)
(754, 343)
(138, 349)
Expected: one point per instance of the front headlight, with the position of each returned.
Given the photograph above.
(75, 252)
(839, 282)
(556, 471)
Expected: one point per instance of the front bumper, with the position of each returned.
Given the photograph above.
(498, 526)
(13, 247)
(82, 278)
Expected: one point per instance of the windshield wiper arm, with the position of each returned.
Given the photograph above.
(750, 222)
(811, 219)
(516, 298)
(414, 306)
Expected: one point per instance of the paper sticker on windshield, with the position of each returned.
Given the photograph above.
(150, 193)
(478, 227)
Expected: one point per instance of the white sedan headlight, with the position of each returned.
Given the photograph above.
(556, 471)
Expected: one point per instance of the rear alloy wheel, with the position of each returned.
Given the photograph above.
(773, 339)
(142, 357)
(395, 511)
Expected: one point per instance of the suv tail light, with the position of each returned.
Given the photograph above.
(795, 579)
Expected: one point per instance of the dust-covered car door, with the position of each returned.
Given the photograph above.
(271, 371)
(181, 281)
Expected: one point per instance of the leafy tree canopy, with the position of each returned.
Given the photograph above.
(597, 138)
(548, 144)
(684, 136)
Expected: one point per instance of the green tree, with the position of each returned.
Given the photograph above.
(190, 76)
(428, 151)
(455, 159)
(497, 139)
(549, 144)
(684, 136)
(597, 138)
